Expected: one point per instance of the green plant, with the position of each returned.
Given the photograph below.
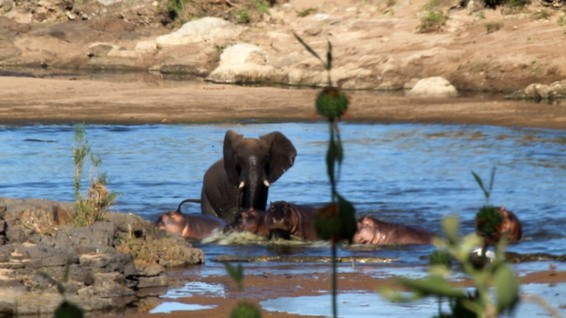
(335, 222)
(518, 4)
(497, 276)
(243, 16)
(175, 8)
(542, 14)
(262, 6)
(432, 21)
(306, 12)
(94, 206)
(243, 309)
(561, 20)
(66, 309)
(491, 27)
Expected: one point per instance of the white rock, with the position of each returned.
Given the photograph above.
(433, 87)
(205, 29)
(242, 62)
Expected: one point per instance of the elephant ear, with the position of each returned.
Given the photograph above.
(230, 164)
(282, 154)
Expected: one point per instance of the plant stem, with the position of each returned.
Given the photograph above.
(334, 281)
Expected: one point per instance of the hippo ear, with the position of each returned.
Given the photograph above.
(231, 140)
(282, 155)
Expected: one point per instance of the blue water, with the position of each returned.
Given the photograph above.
(406, 173)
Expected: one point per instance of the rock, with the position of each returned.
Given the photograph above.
(214, 30)
(42, 253)
(537, 91)
(243, 63)
(433, 87)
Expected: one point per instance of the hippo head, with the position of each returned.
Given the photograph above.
(366, 231)
(510, 226)
(172, 222)
(248, 221)
(280, 219)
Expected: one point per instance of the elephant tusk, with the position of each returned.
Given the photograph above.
(241, 185)
(266, 183)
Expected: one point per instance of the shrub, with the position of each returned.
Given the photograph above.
(95, 205)
(433, 20)
(491, 27)
(175, 7)
(243, 16)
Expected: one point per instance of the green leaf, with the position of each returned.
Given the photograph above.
(480, 183)
(237, 274)
(68, 310)
(347, 217)
(245, 310)
(431, 285)
(506, 288)
(491, 180)
(329, 57)
(450, 227)
(308, 48)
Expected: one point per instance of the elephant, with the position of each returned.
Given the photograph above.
(241, 179)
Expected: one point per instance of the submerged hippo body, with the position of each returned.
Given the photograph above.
(193, 226)
(252, 221)
(285, 219)
(373, 231)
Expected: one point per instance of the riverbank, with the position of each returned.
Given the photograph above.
(25, 100)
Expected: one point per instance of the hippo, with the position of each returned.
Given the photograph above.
(510, 228)
(251, 220)
(286, 219)
(373, 231)
(191, 226)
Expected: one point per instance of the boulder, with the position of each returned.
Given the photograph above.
(538, 91)
(243, 63)
(214, 30)
(433, 87)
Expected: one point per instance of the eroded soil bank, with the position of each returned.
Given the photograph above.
(36, 100)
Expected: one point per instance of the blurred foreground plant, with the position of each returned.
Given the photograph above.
(335, 222)
(494, 275)
(94, 206)
(66, 309)
(243, 309)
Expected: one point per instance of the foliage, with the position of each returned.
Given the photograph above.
(497, 276)
(306, 12)
(336, 221)
(433, 20)
(492, 4)
(94, 206)
(243, 16)
(493, 26)
(175, 8)
(243, 309)
(262, 6)
(66, 309)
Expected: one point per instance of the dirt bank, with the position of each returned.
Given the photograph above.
(36, 100)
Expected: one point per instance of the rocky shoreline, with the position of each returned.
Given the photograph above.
(376, 46)
(110, 265)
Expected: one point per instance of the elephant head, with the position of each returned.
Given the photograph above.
(249, 166)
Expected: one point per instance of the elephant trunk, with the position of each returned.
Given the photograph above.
(255, 188)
